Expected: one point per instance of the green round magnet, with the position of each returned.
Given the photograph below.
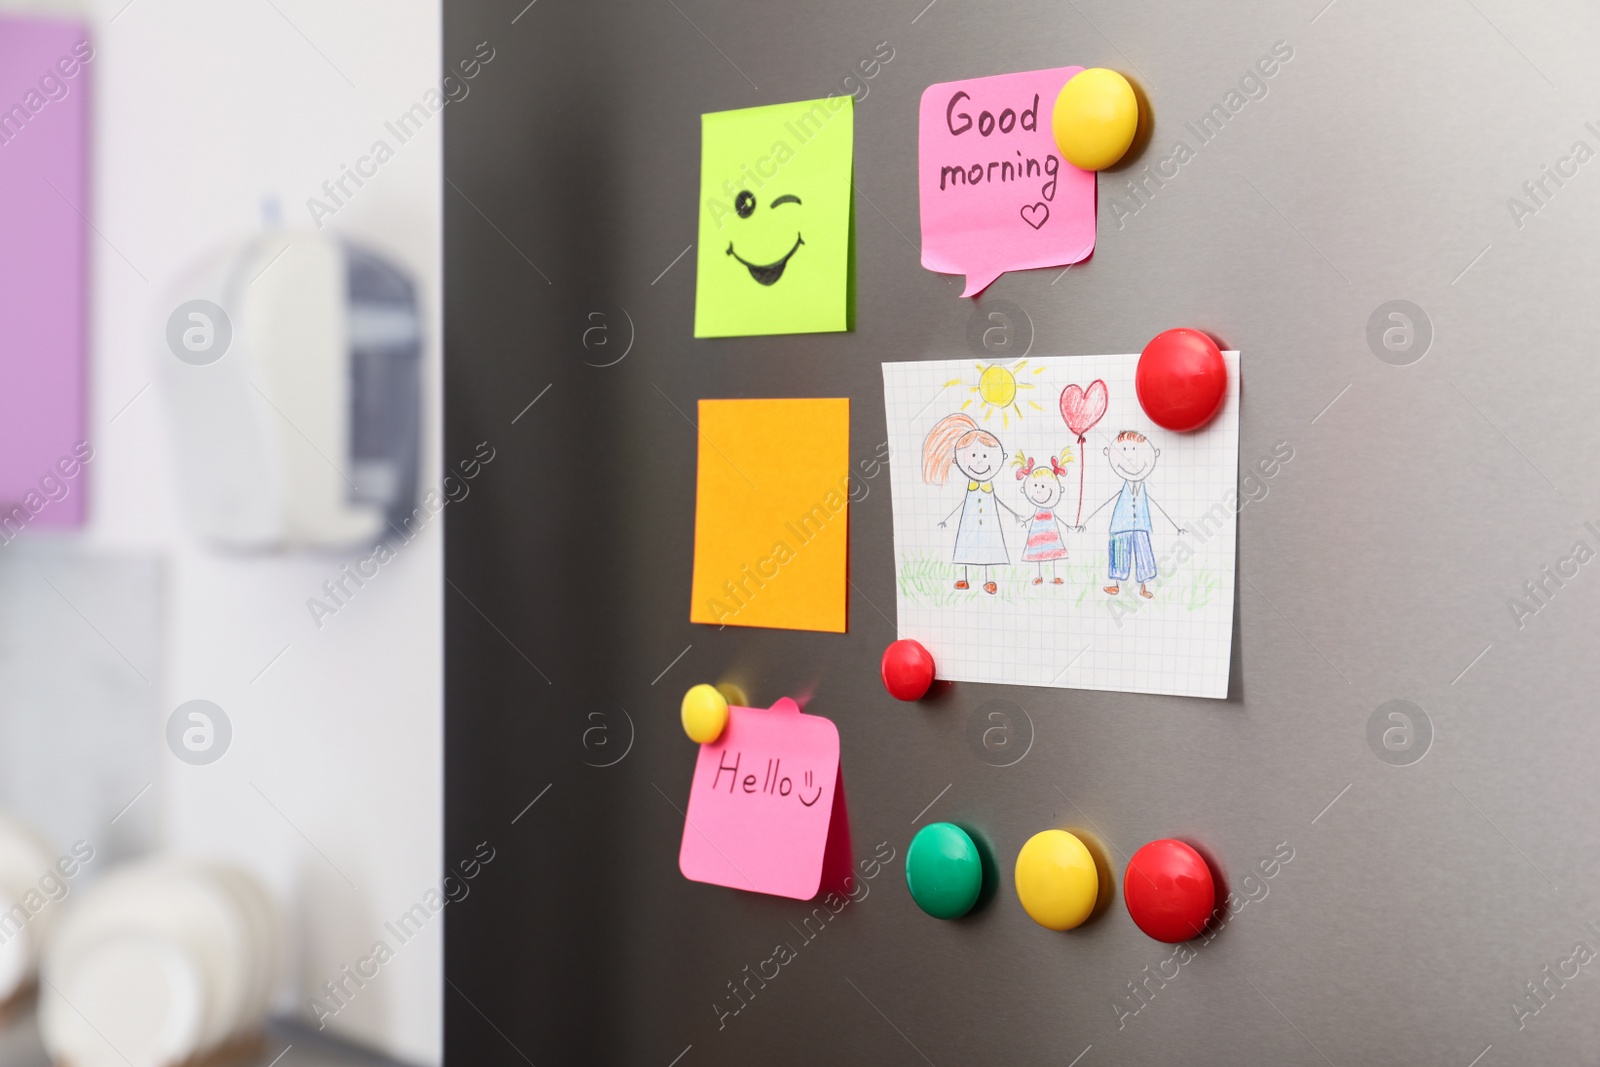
(944, 871)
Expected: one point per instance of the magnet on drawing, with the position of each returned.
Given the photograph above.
(1181, 379)
(907, 670)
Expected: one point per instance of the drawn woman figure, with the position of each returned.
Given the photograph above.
(978, 456)
(1041, 485)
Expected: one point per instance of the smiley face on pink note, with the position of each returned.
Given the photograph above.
(996, 194)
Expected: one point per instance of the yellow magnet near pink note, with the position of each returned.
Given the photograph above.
(704, 713)
(1095, 118)
(1056, 878)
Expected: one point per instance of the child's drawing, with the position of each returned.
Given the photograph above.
(1132, 457)
(1041, 485)
(977, 454)
(996, 572)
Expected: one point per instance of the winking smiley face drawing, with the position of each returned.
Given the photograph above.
(744, 205)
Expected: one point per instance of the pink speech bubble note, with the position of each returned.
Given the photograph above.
(1003, 199)
(762, 804)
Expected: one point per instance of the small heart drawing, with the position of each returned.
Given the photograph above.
(1036, 215)
(1081, 409)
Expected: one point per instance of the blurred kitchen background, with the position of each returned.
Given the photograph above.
(248, 853)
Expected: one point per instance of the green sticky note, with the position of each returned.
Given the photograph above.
(775, 219)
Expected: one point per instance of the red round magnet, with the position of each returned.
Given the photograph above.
(1181, 379)
(907, 670)
(1169, 891)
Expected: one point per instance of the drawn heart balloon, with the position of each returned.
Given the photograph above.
(1081, 408)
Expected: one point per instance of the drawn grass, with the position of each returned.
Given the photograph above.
(928, 579)
(1200, 588)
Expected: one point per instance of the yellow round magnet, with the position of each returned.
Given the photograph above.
(1056, 880)
(705, 714)
(1095, 118)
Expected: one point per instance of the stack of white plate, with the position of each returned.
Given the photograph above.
(31, 889)
(162, 962)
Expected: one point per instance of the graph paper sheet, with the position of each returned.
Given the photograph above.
(1001, 574)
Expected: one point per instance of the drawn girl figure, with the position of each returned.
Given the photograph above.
(978, 456)
(1041, 486)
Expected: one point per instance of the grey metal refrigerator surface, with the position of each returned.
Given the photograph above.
(1384, 161)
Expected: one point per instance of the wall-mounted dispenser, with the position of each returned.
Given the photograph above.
(292, 366)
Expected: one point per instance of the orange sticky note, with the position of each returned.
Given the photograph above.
(772, 527)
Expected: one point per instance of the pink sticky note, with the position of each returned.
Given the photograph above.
(996, 194)
(766, 808)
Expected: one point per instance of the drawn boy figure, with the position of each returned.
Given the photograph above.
(1132, 457)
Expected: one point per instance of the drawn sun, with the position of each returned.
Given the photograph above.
(998, 389)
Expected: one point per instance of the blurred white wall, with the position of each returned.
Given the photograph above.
(332, 787)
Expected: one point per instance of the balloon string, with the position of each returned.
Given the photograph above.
(1081, 462)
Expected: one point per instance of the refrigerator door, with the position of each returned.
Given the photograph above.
(1398, 874)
